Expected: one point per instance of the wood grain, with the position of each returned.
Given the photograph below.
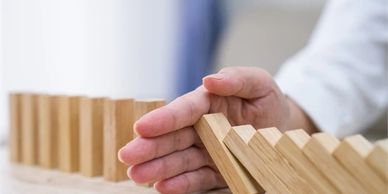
(378, 159)
(118, 130)
(68, 142)
(212, 129)
(15, 113)
(29, 126)
(144, 106)
(319, 150)
(48, 131)
(91, 136)
(352, 153)
(263, 144)
(291, 145)
(237, 141)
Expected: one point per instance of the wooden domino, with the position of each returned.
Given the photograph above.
(290, 145)
(319, 150)
(15, 126)
(212, 129)
(352, 153)
(91, 136)
(141, 107)
(144, 106)
(29, 128)
(378, 159)
(80, 134)
(68, 142)
(48, 131)
(237, 141)
(118, 130)
(262, 145)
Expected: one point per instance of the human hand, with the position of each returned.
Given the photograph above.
(169, 153)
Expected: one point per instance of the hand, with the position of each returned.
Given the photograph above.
(170, 154)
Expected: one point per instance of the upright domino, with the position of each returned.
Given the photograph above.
(118, 130)
(15, 125)
(48, 131)
(68, 142)
(212, 129)
(142, 107)
(29, 128)
(91, 136)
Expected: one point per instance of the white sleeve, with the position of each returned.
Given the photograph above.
(340, 78)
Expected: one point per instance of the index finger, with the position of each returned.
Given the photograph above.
(182, 112)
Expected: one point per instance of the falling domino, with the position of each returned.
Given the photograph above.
(91, 136)
(15, 132)
(352, 153)
(319, 150)
(264, 142)
(212, 129)
(237, 141)
(118, 130)
(290, 145)
(378, 159)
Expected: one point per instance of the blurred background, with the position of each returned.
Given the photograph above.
(141, 48)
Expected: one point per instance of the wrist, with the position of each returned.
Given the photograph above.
(298, 119)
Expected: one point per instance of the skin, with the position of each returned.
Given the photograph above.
(169, 153)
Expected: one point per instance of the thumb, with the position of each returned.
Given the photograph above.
(244, 82)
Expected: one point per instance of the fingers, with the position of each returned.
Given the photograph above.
(144, 149)
(244, 82)
(180, 113)
(170, 165)
(200, 180)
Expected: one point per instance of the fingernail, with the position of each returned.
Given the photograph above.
(217, 76)
(129, 172)
(135, 128)
(119, 155)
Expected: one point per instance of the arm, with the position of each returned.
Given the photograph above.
(340, 78)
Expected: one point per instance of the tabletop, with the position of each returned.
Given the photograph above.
(18, 179)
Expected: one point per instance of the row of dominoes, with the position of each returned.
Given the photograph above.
(74, 133)
(266, 160)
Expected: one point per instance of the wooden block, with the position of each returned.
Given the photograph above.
(15, 125)
(319, 150)
(142, 107)
(378, 159)
(212, 129)
(68, 142)
(48, 131)
(118, 130)
(237, 141)
(263, 144)
(290, 145)
(91, 136)
(351, 153)
(29, 129)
